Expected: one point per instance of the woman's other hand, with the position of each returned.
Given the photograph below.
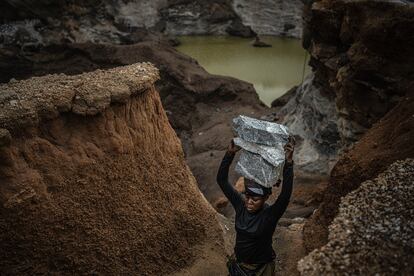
(233, 148)
(289, 148)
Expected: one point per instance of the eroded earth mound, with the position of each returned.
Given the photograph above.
(94, 179)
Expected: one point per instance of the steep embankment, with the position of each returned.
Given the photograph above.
(374, 230)
(361, 52)
(94, 180)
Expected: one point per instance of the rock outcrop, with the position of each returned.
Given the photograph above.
(373, 232)
(201, 18)
(41, 23)
(362, 57)
(33, 24)
(388, 140)
(362, 52)
(311, 116)
(94, 179)
(269, 17)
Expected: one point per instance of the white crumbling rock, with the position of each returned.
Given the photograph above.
(312, 118)
(373, 233)
(27, 102)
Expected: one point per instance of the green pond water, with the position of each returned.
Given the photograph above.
(272, 71)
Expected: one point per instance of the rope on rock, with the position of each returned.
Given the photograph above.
(304, 66)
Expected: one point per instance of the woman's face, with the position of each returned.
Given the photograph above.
(254, 203)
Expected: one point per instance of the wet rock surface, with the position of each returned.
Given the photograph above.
(362, 54)
(288, 238)
(262, 155)
(373, 232)
(260, 132)
(236, 28)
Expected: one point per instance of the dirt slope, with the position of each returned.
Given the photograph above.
(94, 180)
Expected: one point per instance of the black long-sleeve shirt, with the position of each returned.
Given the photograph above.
(254, 231)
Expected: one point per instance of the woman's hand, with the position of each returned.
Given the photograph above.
(233, 148)
(289, 148)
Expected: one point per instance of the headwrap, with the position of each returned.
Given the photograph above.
(254, 189)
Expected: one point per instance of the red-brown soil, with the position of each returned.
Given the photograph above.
(101, 194)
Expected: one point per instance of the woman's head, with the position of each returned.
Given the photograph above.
(254, 203)
(255, 195)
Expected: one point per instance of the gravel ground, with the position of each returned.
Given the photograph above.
(373, 233)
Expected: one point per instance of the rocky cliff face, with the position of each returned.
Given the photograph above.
(37, 23)
(269, 17)
(94, 180)
(312, 118)
(201, 18)
(361, 52)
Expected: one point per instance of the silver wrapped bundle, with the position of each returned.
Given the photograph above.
(260, 132)
(262, 157)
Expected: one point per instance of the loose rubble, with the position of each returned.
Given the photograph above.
(373, 233)
(25, 103)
